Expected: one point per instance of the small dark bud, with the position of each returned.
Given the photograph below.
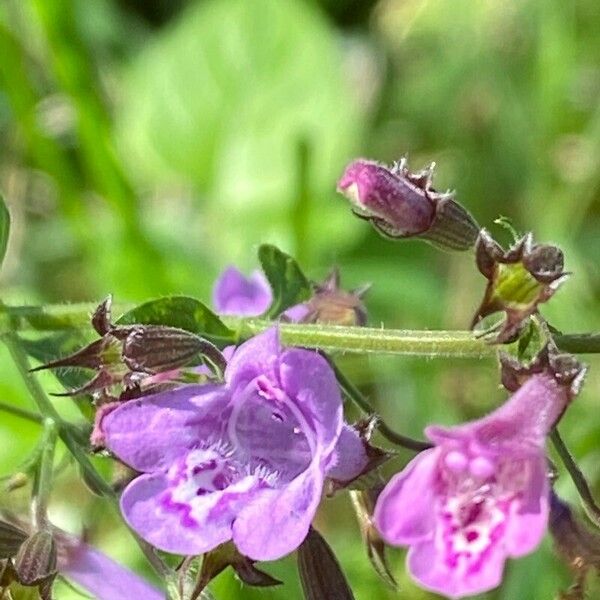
(401, 204)
(11, 538)
(332, 305)
(126, 355)
(154, 348)
(320, 573)
(36, 559)
(519, 279)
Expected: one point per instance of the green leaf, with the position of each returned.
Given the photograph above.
(320, 572)
(288, 283)
(183, 312)
(4, 228)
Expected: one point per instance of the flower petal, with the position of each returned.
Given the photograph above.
(236, 294)
(149, 434)
(425, 565)
(527, 527)
(253, 358)
(147, 507)
(349, 457)
(307, 378)
(277, 521)
(104, 578)
(269, 432)
(404, 512)
(520, 424)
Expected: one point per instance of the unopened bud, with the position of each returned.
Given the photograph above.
(36, 559)
(401, 204)
(332, 305)
(363, 502)
(576, 543)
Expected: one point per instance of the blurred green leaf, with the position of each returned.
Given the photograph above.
(288, 283)
(221, 99)
(4, 228)
(183, 312)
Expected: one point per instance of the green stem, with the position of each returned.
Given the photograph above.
(589, 504)
(43, 479)
(21, 412)
(354, 394)
(331, 338)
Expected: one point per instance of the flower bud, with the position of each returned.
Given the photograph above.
(401, 204)
(519, 279)
(332, 305)
(36, 559)
(127, 354)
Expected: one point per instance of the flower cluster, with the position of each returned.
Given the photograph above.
(230, 439)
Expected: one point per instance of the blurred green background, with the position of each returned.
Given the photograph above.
(147, 144)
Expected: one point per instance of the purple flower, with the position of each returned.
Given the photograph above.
(401, 204)
(98, 574)
(235, 294)
(397, 204)
(244, 460)
(478, 496)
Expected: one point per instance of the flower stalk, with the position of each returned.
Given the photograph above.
(587, 499)
(457, 344)
(43, 480)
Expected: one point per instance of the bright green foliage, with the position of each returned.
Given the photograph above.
(288, 283)
(178, 311)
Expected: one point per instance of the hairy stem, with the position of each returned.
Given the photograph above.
(587, 499)
(331, 338)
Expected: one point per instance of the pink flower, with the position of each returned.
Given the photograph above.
(478, 496)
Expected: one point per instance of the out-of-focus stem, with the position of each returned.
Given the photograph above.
(587, 499)
(21, 412)
(354, 394)
(43, 478)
